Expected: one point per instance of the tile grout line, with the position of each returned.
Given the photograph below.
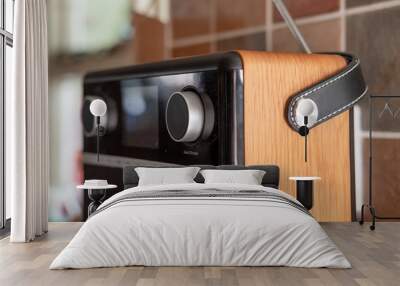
(343, 25)
(213, 28)
(268, 25)
(372, 7)
(217, 36)
(310, 20)
(168, 40)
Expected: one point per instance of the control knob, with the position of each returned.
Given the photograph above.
(189, 116)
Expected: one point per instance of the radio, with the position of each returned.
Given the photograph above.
(176, 111)
(240, 107)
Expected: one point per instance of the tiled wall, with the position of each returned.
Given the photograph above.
(216, 25)
(368, 28)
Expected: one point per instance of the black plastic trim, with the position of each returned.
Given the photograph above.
(220, 61)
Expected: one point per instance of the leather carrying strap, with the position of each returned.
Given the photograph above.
(333, 95)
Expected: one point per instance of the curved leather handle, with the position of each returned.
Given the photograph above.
(334, 95)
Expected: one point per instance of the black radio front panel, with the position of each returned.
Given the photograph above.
(149, 139)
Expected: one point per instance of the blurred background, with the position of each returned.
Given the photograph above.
(87, 35)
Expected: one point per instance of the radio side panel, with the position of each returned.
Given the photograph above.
(270, 79)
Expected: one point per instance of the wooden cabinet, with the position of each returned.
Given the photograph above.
(270, 79)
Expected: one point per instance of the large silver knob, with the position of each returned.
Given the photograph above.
(185, 116)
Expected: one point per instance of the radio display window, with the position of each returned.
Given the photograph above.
(139, 115)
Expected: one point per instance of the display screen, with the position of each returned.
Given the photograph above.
(139, 115)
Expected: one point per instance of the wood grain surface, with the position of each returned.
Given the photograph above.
(375, 258)
(270, 79)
